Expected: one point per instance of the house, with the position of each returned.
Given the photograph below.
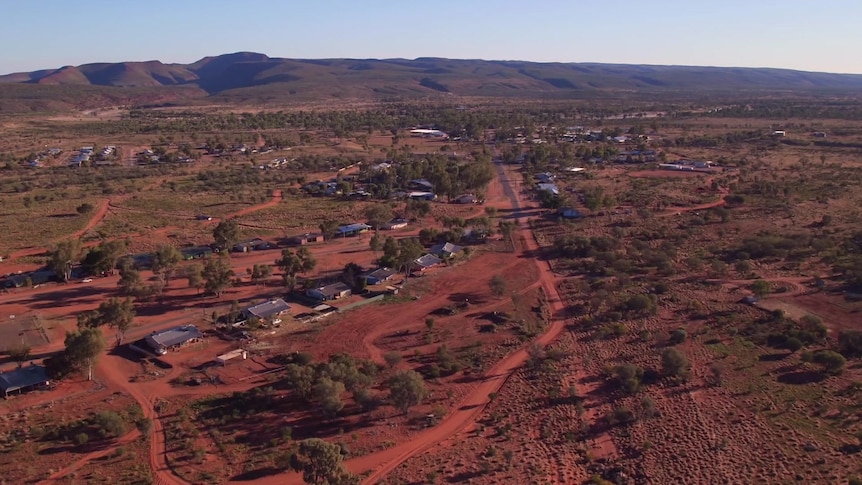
(23, 379)
(428, 133)
(446, 250)
(268, 311)
(308, 237)
(329, 292)
(779, 133)
(255, 244)
(552, 188)
(420, 184)
(379, 275)
(352, 229)
(575, 169)
(426, 261)
(173, 338)
(394, 224)
(466, 199)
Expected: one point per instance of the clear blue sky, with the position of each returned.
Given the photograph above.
(795, 34)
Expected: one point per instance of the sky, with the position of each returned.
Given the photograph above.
(793, 34)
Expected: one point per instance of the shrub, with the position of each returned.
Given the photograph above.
(678, 336)
(832, 362)
(793, 344)
(674, 363)
(392, 358)
(850, 343)
(110, 424)
(81, 439)
(628, 377)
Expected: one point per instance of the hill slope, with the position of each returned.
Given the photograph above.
(251, 75)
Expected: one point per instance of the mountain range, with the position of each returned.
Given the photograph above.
(249, 75)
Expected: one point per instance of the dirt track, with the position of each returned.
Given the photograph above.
(95, 219)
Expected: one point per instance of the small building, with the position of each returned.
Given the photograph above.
(233, 354)
(23, 379)
(466, 199)
(329, 292)
(268, 311)
(551, 188)
(420, 184)
(255, 244)
(394, 224)
(418, 195)
(819, 134)
(779, 133)
(307, 238)
(173, 338)
(352, 229)
(379, 275)
(425, 261)
(446, 250)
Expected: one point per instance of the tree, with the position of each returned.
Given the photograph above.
(63, 256)
(408, 250)
(497, 285)
(292, 263)
(118, 314)
(165, 260)
(130, 279)
(376, 242)
(194, 275)
(217, 275)
(321, 463)
(226, 233)
(407, 389)
(260, 273)
(674, 363)
(19, 353)
(329, 228)
(82, 348)
(351, 275)
(378, 214)
(327, 394)
(103, 258)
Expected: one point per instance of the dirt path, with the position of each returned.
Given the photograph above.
(472, 406)
(95, 219)
(78, 464)
(276, 198)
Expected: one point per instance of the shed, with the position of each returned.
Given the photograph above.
(352, 229)
(309, 237)
(233, 354)
(446, 250)
(23, 379)
(426, 261)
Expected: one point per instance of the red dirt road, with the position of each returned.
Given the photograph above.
(276, 198)
(101, 212)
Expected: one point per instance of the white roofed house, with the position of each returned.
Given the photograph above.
(446, 250)
(268, 311)
(424, 262)
(329, 292)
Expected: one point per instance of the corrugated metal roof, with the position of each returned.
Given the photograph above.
(24, 377)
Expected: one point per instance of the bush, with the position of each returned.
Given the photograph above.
(628, 377)
(674, 363)
(678, 336)
(850, 343)
(793, 344)
(110, 424)
(832, 362)
(81, 439)
(392, 358)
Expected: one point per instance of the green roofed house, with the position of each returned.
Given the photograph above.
(23, 379)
